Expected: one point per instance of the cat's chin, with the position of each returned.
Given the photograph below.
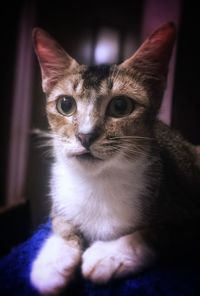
(87, 162)
(89, 157)
(90, 162)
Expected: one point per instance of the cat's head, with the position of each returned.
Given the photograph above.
(100, 114)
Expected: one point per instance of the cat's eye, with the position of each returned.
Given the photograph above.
(120, 106)
(66, 105)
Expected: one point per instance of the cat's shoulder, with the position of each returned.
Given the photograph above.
(167, 136)
(174, 147)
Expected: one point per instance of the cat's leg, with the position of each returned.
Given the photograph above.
(57, 260)
(114, 259)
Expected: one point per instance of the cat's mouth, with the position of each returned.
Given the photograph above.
(86, 156)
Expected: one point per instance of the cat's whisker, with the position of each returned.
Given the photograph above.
(121, 145)
(125, 144)
(130, 153)
(130, 137)
(47, 154)
(110, 143)
(126, 150)
(47, 135)
(131, 150)
(136, 144)
(45, 144)
(42, 133)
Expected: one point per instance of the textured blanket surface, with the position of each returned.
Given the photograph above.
(167, 279)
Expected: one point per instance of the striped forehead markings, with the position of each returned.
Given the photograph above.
(94, 75)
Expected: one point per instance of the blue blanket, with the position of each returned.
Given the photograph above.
(166, 279)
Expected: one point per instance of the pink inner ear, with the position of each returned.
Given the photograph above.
(163, 40)
(156, 50)
(44, 53)
(52, 58)
(159, 45)
(47, 50)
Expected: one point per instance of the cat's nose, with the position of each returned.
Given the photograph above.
(87, 139)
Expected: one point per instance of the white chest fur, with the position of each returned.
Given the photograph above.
(102, 206)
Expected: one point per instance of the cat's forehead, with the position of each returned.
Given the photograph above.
(91, 82)
(93, 76)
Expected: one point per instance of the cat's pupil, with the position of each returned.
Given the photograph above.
(120, 106)
(66, 105)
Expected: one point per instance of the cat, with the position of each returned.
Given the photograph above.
(124, 186)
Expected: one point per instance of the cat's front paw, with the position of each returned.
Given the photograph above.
(114, 259)
(55, 265)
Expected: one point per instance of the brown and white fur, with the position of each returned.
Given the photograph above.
(124, 186)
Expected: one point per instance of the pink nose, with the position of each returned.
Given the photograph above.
(87, 139)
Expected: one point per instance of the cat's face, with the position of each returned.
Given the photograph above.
(103, 114)
(98, 114)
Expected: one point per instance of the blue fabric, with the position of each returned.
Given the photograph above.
(167, 279)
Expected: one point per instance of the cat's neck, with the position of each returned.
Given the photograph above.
(119, 168)
(76, 193)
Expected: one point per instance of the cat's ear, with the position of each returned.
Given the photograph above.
(54, 61)
(152, 57)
